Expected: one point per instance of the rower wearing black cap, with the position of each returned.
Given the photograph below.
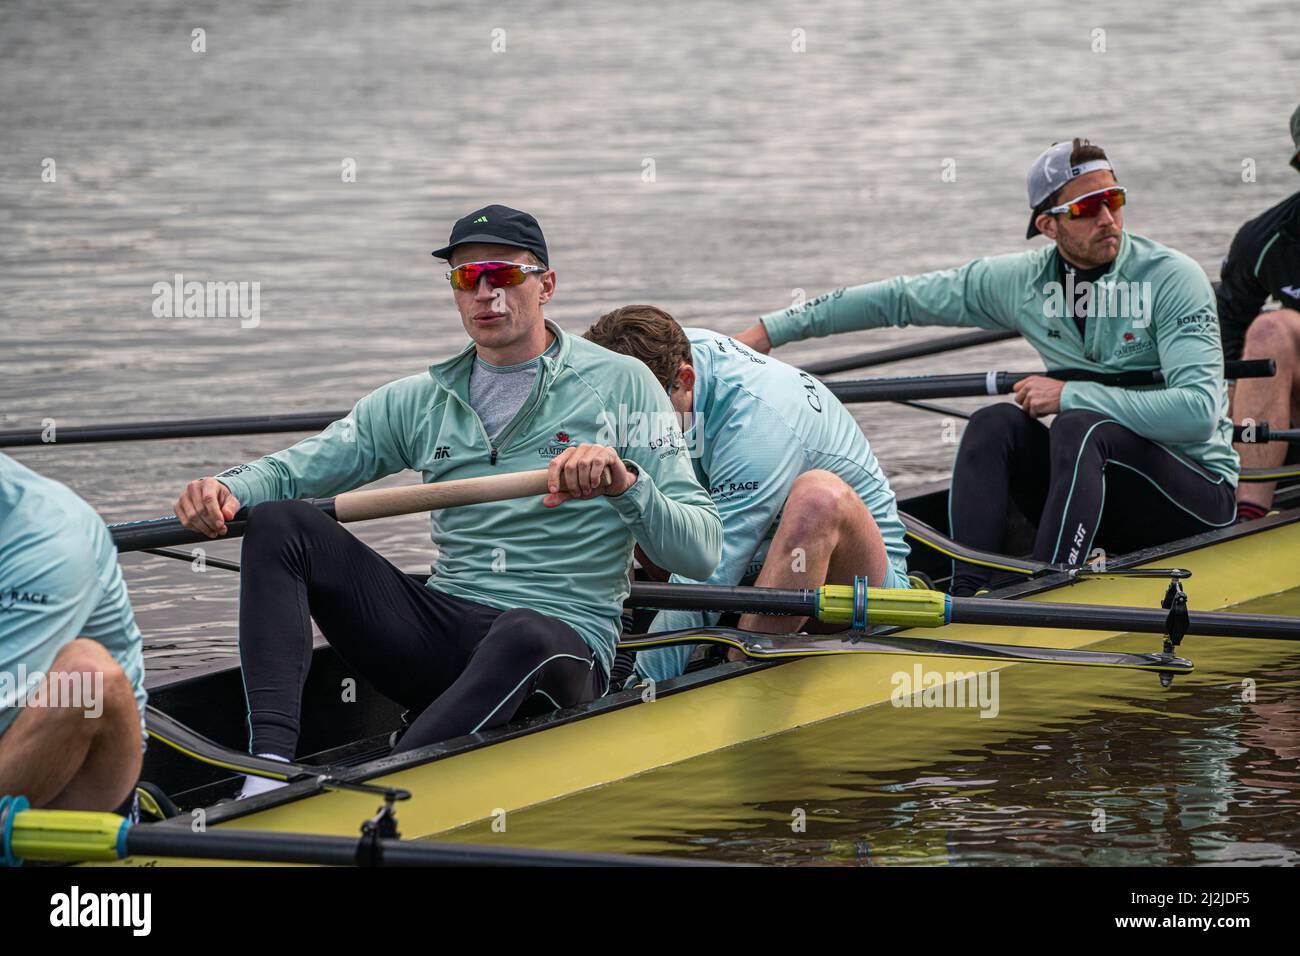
(522, 610)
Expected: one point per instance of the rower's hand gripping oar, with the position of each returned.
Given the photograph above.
(355, 506)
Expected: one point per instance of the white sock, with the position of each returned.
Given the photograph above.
(255, 785)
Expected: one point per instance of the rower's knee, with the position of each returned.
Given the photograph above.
(999, 421)
(998, 415)
(819, 500)
(1070, 433)
(83, 677)
(993, 430)
(522, 634)
(279, 519)
(83, 656)
(1075, 422)
(1274, 334)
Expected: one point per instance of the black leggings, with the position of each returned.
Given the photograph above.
(1086, 479)
(462, 666)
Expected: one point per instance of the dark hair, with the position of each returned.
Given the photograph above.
(646, 333)
(1083, 152)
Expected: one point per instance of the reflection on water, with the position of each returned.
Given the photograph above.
(1132, 776)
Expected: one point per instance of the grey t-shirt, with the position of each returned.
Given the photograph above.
(497, 392)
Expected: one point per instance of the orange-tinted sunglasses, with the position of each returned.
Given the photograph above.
(1089, 204)
(466, 276)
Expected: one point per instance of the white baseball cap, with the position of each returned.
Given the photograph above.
(1051, 171)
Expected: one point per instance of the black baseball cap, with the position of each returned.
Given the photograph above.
(501, 225)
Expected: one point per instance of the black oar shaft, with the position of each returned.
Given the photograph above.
(717, 597)
(900, 353)
(937, 409)
(964, 610)
(920, 387)
(1142, 620)
(1250, 368)
(312, 849)
(146, 431)
(217, 563)
(164, 532)
(1262, 433)
(167, 532)
(913, 388)
(154, 533)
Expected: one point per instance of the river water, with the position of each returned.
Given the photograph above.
(716, 158)
(1073, 768)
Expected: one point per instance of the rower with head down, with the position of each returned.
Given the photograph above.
(803, 500)
(71, 668)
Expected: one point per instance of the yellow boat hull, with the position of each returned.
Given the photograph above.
(491, 782)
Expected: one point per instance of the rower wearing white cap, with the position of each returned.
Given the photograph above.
(1121, 468)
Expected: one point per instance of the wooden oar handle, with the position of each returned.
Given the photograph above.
(410, 499)
(168, 531)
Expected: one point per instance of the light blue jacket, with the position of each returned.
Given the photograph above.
(1160, 312)
(59, 580)
(569, 562)
(759, 425)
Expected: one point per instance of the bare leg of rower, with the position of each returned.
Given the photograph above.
(1274, 335)
(826, 536)
(65, 757)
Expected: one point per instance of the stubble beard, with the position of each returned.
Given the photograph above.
(1089, 256)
